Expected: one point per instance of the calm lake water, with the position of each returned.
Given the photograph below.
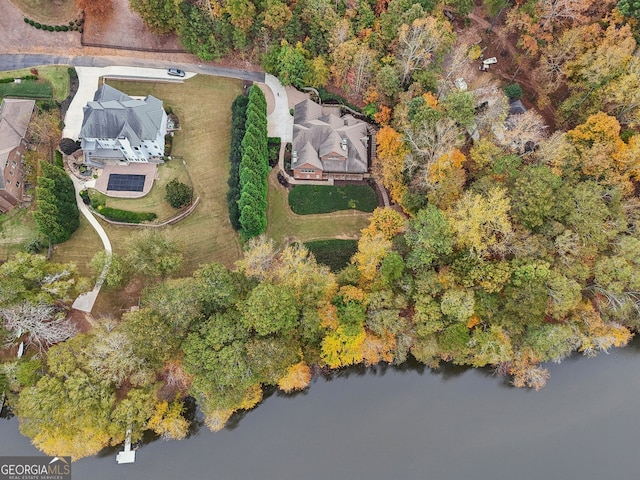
(411, 424)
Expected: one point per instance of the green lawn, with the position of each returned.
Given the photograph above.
(284, 226)
(17, 229)
(310, 199)
(203, 106)
(28, 88)
(154, 201)
(80, 248)
(58, 77)
(334, 253)
(51, 12)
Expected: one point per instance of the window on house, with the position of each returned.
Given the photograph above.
(307, 170)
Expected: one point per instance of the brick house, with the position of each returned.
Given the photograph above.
(327, 145)
(15, 116)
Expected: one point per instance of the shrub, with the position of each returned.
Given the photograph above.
(58, 159)
(474, 52)
(178, 194)
(32, 23)
(125, 215)
(7, 80)
(57, 28)
(26, 20)
(37, 25)
(68, 145)
(513, 91)
(35, 246)
(70, 23)
(50, 28)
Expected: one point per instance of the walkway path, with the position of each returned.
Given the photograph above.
(86, 301)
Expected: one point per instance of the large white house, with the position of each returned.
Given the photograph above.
(119, 129)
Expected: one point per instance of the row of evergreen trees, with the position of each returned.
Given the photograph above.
(247, 196)
(57, 215)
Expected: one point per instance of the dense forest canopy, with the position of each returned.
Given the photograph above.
(515, 240)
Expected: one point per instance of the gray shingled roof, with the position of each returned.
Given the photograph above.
(15, 115)
(113, 114)
(316, 135)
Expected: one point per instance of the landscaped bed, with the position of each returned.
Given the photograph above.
(309, 199)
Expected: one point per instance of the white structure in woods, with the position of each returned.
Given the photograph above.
(119, 129)
(127, 455)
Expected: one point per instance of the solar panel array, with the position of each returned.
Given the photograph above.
(126, 183)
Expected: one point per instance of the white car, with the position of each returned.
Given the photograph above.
(175, 72)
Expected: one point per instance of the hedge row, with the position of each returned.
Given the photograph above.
(73, 25)
(238, 121)
(125, 215)
(12, 79)
(254, 167)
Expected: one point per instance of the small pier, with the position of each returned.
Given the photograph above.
(127, 455)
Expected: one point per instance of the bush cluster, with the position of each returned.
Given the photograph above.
(74, 25)
(125, 215)
(178, 194)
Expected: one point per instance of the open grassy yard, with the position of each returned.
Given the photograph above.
(17, 229)
(284, 226)
(309, 199)
(51, 12)
(56, 76)
(203, 106)
(80, 248)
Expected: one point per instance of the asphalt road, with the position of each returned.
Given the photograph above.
(17, 61)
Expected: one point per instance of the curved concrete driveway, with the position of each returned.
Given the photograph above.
(89, 78)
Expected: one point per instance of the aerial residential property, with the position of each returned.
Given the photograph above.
(15, 115)
(118, 129)
(326, 145)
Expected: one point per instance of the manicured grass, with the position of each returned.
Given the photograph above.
(154, 201)
(80, 248)
(284, 226)
(309, 199)
(58, 76)
(334, 253)
(17, 230)
(47, 11)
(28, 88)
(203, 105)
